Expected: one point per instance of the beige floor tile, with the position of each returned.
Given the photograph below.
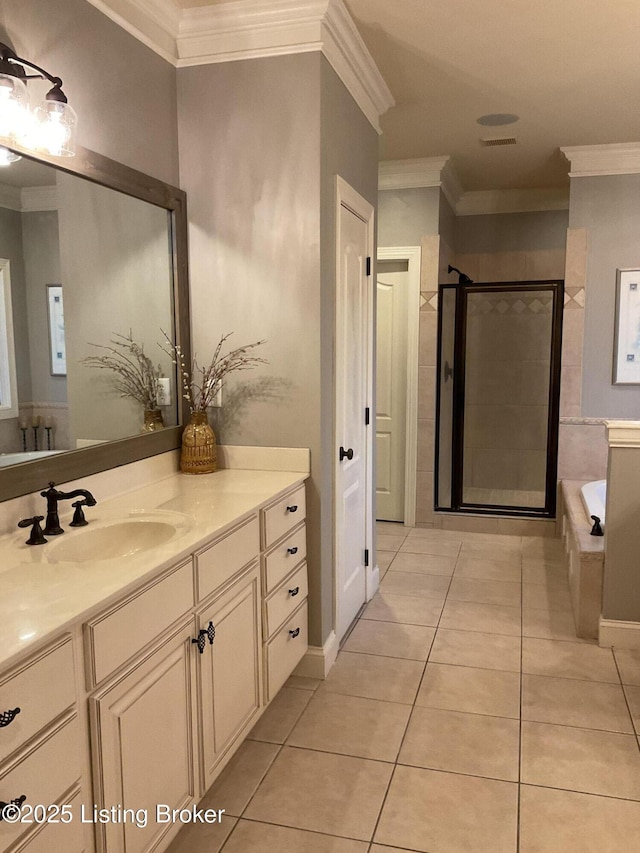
(303, 683)
(485, 591)
(550, 625)
(411, 583)
(382, 848)
(320, 791)
(409, 609)
(545, 547)
(483, 568)
(568, 702)
(237, 783)
(583, 760)
(463, 743)
(281, 716)
(375, 677)
(476, 691)
(385, 558)
(487, 618)
(391, 639)
(437, 812)
(351, 725)
(633, 699)
(628, 662)
(566, 822)
(568, 660)
(425, 564)
(253, 837)
(202, 838)
(541, 573)
(436, 534)
(546, 597)
(436, 545)
(498, 552)
(468, 648)
(388, 543)
(391, 528)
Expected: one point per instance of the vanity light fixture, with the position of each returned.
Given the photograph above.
(51, 128)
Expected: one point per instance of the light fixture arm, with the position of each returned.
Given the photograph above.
(14, 65)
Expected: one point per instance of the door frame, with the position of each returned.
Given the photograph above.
(413, 255)
(346, 196)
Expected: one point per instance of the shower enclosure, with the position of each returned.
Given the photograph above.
(497, 397)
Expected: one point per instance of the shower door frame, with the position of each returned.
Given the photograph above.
(556, 287)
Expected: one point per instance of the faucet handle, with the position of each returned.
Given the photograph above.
(36, 536)
(78, 516)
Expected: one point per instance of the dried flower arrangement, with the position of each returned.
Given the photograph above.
(135, 374)
(200, 384)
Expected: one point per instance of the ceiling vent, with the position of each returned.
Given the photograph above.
(499, 140)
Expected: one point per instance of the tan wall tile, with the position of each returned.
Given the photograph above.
(426, 430)
(582, 452)
(427, 353)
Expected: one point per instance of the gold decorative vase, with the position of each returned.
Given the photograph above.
(199, 453)
(152, 420)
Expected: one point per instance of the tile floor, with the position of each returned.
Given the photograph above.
(462, 716)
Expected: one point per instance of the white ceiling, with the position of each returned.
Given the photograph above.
(569, 68)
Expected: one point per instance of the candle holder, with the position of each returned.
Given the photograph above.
(48, 431)
(23, 430)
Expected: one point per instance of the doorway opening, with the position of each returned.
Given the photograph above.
(497, 397)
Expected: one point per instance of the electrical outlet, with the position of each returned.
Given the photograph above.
(164, 391)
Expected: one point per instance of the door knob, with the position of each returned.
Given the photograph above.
(346, 454)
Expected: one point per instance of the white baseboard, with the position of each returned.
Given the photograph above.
(319, 659)
(622, 635)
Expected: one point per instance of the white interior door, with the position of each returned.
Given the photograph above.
(391, 394)
(353, 355)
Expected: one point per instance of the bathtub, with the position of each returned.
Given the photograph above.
(594, 498)
(28, 456)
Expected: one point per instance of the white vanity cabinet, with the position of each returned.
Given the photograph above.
(41, 750)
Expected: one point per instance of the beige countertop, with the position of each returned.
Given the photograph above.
(42, 597)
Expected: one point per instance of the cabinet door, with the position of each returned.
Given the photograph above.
(230, 669)
(143, 736)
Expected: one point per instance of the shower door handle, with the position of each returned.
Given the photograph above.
(448, 371)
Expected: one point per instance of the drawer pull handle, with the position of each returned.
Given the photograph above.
(208, 633)
(293, 592)
(294, 634)
(346, 454)
(292, 550)
(292, 508)
(7, 717)
(12, 808)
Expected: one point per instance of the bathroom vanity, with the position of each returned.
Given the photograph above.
(138, 673)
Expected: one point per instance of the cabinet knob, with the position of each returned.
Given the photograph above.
(11, 810)
(7, 717)
(292, 508)
(294, 634)
(346, 454)
(292, 550)
(293, 592)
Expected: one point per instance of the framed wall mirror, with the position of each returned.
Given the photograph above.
(111, 243)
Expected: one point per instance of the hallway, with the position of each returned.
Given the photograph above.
(462, 716)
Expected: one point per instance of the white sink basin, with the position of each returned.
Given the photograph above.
(117, 539)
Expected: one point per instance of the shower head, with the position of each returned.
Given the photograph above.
(462, 277)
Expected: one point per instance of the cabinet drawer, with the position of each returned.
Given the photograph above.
(58, 836)
(220, 561)
(282, 603)
(128, 627)
(279, 562)
(285, 651)
(50, 769)
(283, 516)
(43, 688)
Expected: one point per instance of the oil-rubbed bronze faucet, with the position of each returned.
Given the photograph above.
(52, 525)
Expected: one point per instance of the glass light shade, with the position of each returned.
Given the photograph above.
(14, 107)
(7, 157)
(56, 126)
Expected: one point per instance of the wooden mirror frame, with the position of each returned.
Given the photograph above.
(26, 477)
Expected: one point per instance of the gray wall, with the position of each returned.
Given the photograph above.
(511, 232)
(124, 93)
(406, 216)
(609, 208)
(11, 249)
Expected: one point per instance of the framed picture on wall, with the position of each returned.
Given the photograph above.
(57, 349)
(626, 353)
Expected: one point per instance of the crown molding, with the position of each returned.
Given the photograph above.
(10, 197)
(411, 174)
(621, 158)
(482, 202)
(38, 199)
(251, 29)
(153, 22)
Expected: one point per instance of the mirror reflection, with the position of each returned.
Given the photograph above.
(81, 265)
